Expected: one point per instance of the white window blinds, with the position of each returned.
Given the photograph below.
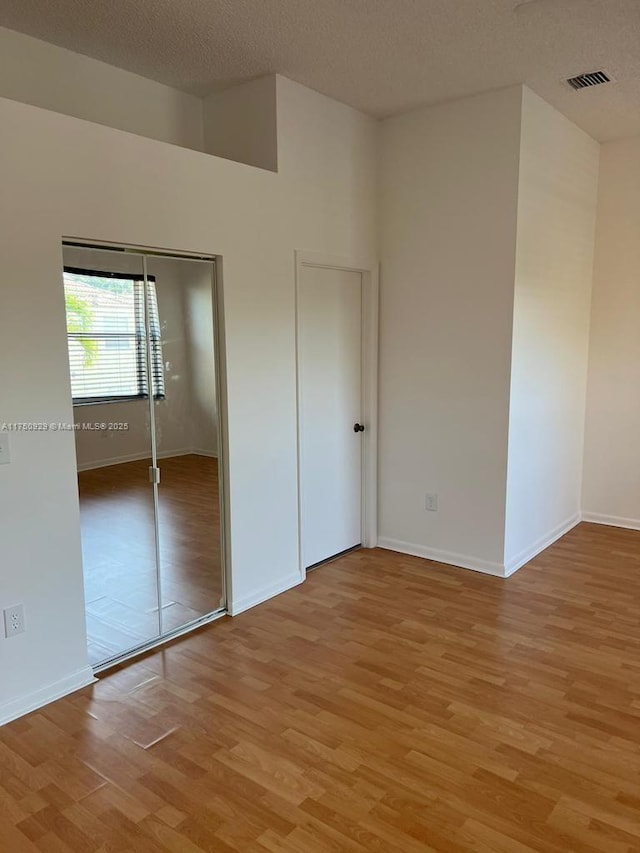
(107, 336)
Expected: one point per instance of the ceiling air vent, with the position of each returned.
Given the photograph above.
(585, 81)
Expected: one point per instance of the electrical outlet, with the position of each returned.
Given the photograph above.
(13, 620)
(431, 503)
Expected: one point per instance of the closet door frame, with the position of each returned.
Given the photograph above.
(215, 262)
(369, 269)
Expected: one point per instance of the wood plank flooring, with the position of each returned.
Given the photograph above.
(118, 545)
(387, 704)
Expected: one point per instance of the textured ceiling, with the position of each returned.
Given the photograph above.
(381, 56)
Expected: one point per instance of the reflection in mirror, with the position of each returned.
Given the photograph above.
(186, 431)
(151, 551)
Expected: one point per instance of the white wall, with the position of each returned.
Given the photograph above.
(554, 263)
(36, 72)
(241, 123)
(612, 449)
(63, 177)
(449, 188)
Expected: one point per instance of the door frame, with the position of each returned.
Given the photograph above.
(369, 271)
(220, 367)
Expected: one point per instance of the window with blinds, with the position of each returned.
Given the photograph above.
(107, 336)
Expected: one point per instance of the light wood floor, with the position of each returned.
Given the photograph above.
(388, 704)
(118, 544)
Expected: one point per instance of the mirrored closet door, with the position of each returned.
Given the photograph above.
(142, 342)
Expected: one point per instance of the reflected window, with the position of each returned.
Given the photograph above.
(107, 336)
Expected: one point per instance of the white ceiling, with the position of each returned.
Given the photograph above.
(381, 56)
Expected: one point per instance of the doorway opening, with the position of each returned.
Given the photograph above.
(336, 335)
(143, 342)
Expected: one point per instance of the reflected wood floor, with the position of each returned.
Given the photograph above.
(387, 704)
(118, 545)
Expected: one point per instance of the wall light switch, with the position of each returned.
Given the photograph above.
(5, 456)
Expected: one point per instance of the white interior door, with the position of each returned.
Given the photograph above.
(330, 384)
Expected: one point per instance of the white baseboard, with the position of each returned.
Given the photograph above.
(531, 551)
(199, 452)
(463, 561)
(112, 460)
(137, 457)
(611, 520)
(44, 695)
(239, 605)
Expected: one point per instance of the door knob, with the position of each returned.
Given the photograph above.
(358, 427)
